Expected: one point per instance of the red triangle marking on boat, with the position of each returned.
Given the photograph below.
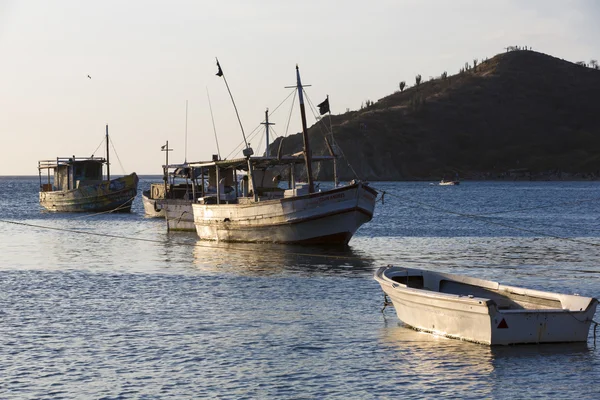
(503, 324)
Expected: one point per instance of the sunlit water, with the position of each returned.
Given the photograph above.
(113, 306)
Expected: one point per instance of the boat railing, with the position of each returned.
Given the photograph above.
(60, 161)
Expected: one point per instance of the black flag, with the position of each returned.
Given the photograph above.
(324, 106)
(220, 71)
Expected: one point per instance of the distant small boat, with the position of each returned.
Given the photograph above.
(448, 183)
(77, 185)
(483, 311)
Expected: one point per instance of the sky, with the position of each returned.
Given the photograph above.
(147, 59)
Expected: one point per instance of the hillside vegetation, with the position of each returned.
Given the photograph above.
(518, 114)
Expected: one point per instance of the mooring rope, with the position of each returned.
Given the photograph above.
(488, 221)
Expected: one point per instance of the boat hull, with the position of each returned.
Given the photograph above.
(481, 320)
(178, 214)
(116, 195)
(330, 217)
(153, 208)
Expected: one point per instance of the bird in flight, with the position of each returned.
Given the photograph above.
(89, 77)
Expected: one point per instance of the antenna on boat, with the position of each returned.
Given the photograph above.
(213, 123)
(185, 150)
(107, 156)
(266, 124)
(248, 150)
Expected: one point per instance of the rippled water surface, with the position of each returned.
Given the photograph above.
(113, 306)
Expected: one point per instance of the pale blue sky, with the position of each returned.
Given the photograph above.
(146, 58)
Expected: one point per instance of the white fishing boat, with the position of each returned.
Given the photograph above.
(76, 184)
(484, 311)
(448, 183)
(258, 209)
(181, 189)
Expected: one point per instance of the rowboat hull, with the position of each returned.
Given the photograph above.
(329, 217)
(484, 311)
(179, 215)
(116, 195)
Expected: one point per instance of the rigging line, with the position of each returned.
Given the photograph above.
(287, 127)
(116, 154)
(540, 207)
(210, 246)
(313, 110)
(239, 146)
(235, 150)
(488, 221)
(101, 143)
(213, 123)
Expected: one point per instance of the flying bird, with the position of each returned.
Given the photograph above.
(89, 77)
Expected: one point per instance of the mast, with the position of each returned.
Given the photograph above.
(307, 154)
(267, 124)
(166, 149)
(335, 177)
(185, 152)
(107, 156)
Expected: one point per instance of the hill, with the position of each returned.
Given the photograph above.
(520, 113)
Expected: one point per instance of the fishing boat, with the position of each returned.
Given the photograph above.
(177, 204)
(256, 208)
(484, 311)
(176, 185)
(448, 183)
(76, 184)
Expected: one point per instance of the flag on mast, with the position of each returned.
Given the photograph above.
(324, 106)
(220, 71)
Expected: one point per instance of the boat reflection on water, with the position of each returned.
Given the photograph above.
(269, 259)
(464, 366)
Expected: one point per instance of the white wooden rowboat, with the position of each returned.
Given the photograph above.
(483, 311)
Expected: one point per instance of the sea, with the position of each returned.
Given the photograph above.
(112, 306)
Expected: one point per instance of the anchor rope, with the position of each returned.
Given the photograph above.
(487, 220)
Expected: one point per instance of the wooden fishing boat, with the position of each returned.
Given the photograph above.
(483, 311)
(77, 185)
(258, 209)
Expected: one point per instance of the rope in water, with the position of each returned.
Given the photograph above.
(487, 220)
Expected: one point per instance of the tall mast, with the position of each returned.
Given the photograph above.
(185, 152)
(335, 177)
(107, 156)
(267, 124)
(307, 154)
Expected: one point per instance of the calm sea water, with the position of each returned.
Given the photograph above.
(112, 306)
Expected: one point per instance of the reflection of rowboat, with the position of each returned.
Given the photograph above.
(484, 311)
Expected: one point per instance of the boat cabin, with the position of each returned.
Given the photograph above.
(230, 182)
(70, 173)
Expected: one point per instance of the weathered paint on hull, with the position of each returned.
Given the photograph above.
(152, 207)
(116, 195)
(179, 215)
(330, 217)
(479, 320)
